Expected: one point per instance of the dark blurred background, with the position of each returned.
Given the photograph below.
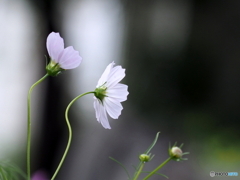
(182, 63)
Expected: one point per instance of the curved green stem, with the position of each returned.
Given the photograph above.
(29, 125)
(155, 170)
(139, 171)
(70, 133)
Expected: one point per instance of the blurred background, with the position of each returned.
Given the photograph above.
(182, 63)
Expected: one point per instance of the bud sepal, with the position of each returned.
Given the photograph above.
(100, 92)
(53, 68)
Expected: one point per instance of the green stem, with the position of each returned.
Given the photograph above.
(70, 133)
(139, 171)
(155, 170)
(29, 125)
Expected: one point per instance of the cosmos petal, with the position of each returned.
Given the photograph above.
(96, 105)
(105, 74)
(101, 114)
(115, 76)
(119, 92)
(113, 107)
(55, 45)
(104, 118)
(69, 58)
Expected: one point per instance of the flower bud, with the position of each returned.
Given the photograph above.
(176, 152)
(144, 158)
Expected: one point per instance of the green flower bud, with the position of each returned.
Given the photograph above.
(144, 158)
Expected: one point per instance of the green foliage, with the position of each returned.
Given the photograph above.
(10, 171)
(152, 145)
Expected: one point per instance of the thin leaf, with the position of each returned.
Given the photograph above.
(121, 166)
(3, 174)
(18, 170)
(153, 144)
(136, 169)
(10, 171)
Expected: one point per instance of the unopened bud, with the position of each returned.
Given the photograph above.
(144, 158)
(176, 152)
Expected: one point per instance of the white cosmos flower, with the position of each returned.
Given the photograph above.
(61, 59)
(109, 94)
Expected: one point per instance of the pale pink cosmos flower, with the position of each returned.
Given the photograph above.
(61, 59)
(109, 94)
